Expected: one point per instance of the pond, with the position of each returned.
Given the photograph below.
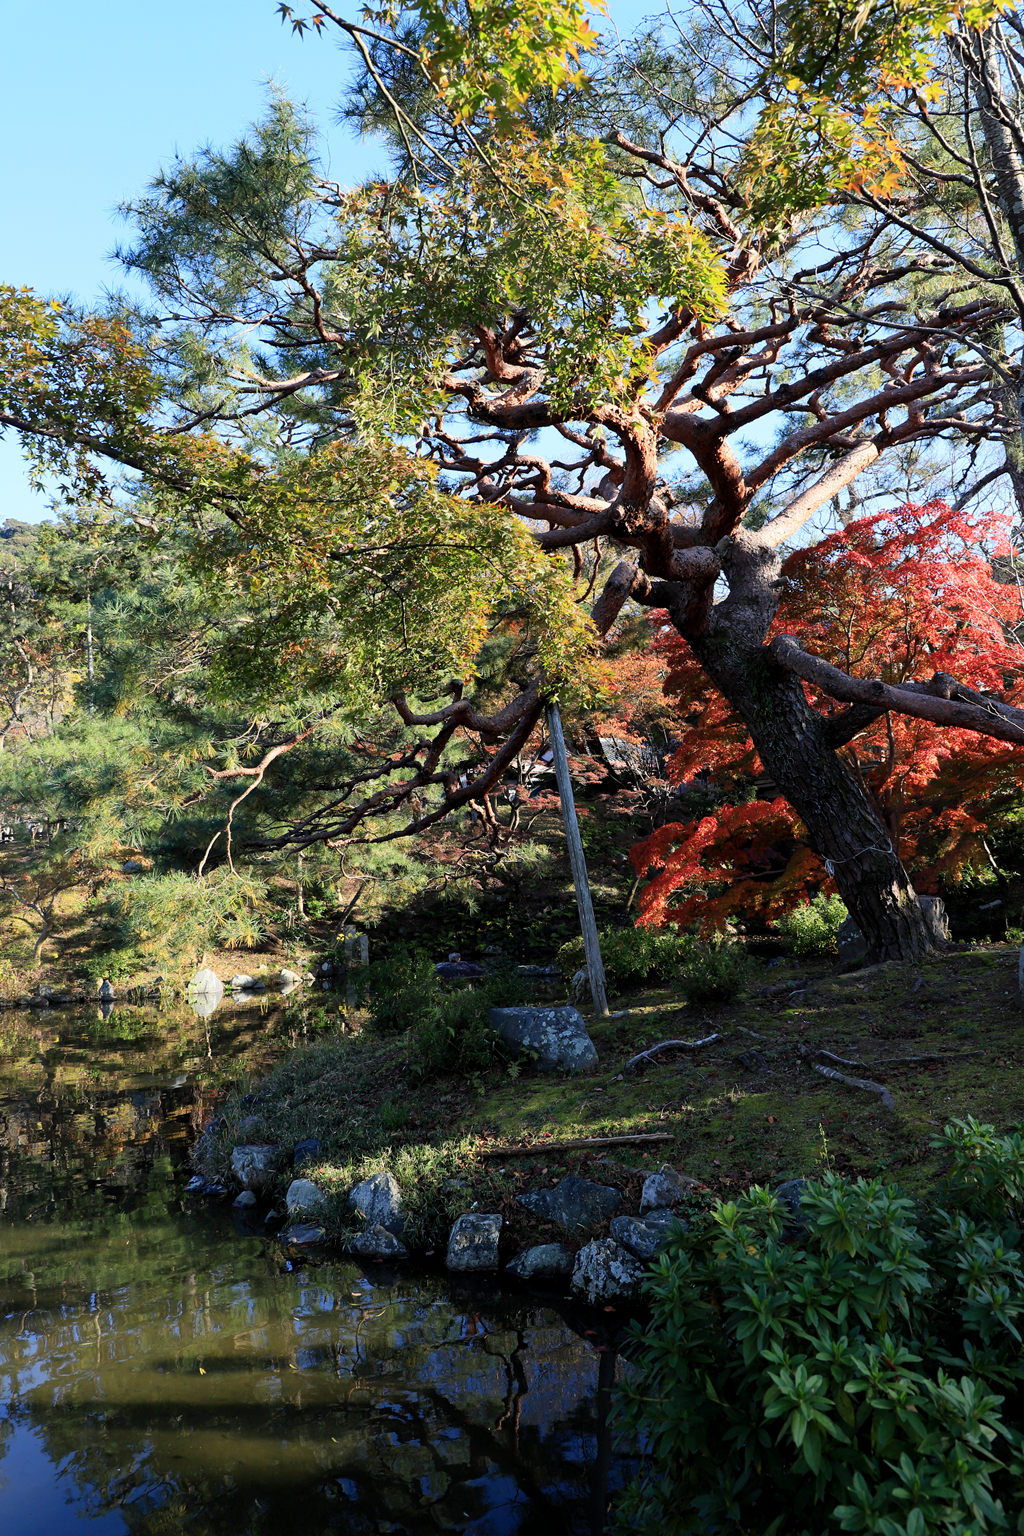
(164, 1368)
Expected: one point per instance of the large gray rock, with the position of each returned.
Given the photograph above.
(206, 983)
(306, 1151)
(303, 1235)
(555, 1037)
(575, 1205)
(666, 1187)
(790, 1195)
(242, 983)
(205, 991)
(107, 993)
(255, 1167)
(378, 1200)
(545, 1261)
(644, 1236)
(377, 1243)
(289, 978)
(473, 1244)
(605, 1272)
(304, 1198)
(850, 943)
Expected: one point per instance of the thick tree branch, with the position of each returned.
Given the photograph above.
(924, 701)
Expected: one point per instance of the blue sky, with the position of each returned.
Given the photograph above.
(96, 97)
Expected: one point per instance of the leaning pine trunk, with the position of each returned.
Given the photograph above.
(842, 824)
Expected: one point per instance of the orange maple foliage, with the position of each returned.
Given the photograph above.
(897, 596)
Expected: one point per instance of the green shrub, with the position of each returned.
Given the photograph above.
(172, 919)
(858, 1372)
(631, 956)
(714, 972)
(457, 1037)
(448, 1027)
(812, 928)
(402, 992)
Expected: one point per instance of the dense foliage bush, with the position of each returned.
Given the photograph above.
(631, 956)
(448, 1027)
(812, 928)
(714, 972)
(857, 1368)
(172, 919)
(402, 992)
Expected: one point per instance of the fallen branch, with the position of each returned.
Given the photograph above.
(856, 1082)
(670, 1045)
(581, 1145)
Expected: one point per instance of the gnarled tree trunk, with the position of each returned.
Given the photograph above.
(843, 825)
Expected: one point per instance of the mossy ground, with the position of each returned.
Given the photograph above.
(730, 1123)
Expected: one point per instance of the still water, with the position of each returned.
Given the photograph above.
(163, 1370)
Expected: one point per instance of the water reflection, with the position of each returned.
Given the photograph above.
(160, 1374)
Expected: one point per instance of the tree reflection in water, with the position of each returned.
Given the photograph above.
(159, 1374)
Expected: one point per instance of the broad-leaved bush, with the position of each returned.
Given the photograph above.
(854, 1368)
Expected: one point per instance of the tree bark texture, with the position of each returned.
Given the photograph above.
(844, 827)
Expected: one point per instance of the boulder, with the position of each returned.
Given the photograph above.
(206, 991)
(458, 970)
(244, 1201)
(789, 1195)
(473, 1244)
(107, 993)
(306, 1151)
(255, 1167)
(936, 919)
(605, 1273)
(644, 1236)
(304, 1198)
(666, 1187)
(205, 983)
(850, 943)
(555, 1037)
(242, 983)
(545, 1261)
(303, 1235)
(377, 1243)
(195, 1184)
(576, 1205)
(289, 978)
(378, 1201)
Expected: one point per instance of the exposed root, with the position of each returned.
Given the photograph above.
(856, 1082)
(670, 1045)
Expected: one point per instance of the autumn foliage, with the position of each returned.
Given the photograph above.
(897, 596)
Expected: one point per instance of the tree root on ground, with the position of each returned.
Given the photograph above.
(856, 1082)
(670, 1045)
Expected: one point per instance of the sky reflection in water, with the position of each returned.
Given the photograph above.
(161, 1373)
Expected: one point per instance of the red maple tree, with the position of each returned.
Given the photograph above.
(887, 597)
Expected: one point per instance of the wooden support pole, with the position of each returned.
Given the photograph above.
(588, 925)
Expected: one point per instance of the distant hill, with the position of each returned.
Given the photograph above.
(18, 541)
